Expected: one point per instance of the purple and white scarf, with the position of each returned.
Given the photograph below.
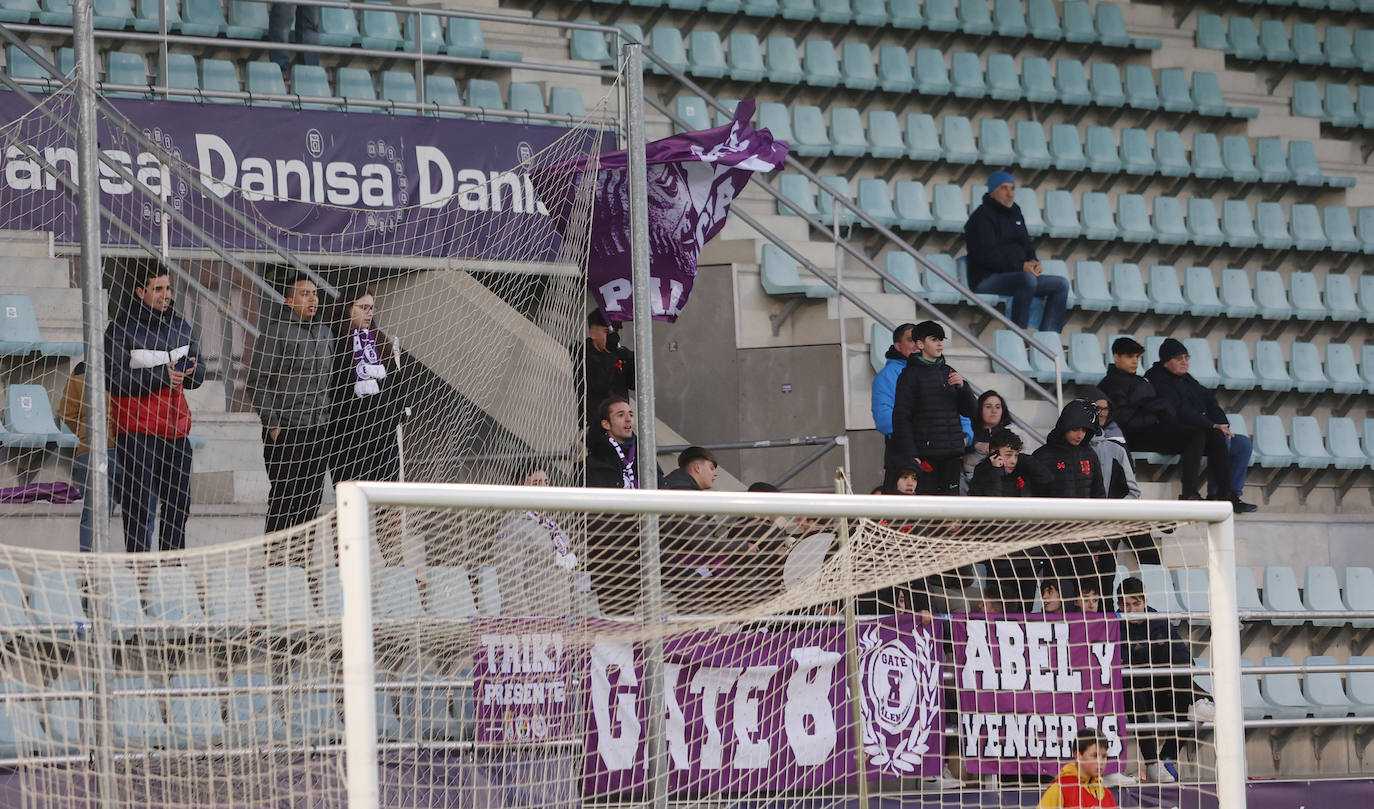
(364, 354)
(563, 554)
(627, 464)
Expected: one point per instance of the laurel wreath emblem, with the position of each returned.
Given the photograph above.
(906, 757)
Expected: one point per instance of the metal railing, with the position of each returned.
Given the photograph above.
(823, 444)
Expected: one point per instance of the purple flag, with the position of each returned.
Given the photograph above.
(692, 177)
(523, 682)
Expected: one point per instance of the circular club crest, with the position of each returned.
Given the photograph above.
(901, 700)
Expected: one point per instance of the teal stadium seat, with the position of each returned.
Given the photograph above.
(1061, 217)
(1309, 444)
(1236, 224)
(1042, 366)
(112, 14)
(856, 67)
(1307, 102)
(922, 139)
(951, 212)
(1085, 360)
(488, 591)
(1271, 443)
(311, 81)
(1270, 161)
(796, 189)
(1003, 81)
(443, 91)
(821, 67)
(1307, 44)
(464, 39)
(1066, 148)
(1340, 106)
(148, 15)
(1211, 33)
(1321, 591)
(1060, 268)
(1166, 291)
(1237, 159)
(783, 60)
(526, 97)
(1233, 365)
(1032, 150)
(894, 69)
(567, 101)
(1011, 351)
(312, 712)
(957, 138)
(126, 68)
(1128, 287)
(1207, 156)
(1133, 222)
(905, 14)
(220, 75)
(1365, 229)
(1200, 290)
(1364, 48)
(1090, 286)
(230, 606)
(1340, 229)
(744, 58)
(1078, 22)
(884, 134)
(780, 276)
(876, 201)
(355, 84)
(1272, 226)
(1105, 82)
(396, 596)
(798, 9)
(264, 78)
(1141, 92)
(202, 18)
(1174, 94)
(1203, 227)
(430, 36)
(1273, 42)
(938, 290)
(1031, 215)
(1283, 692)
(1307, 227)
(870, 13)
(1338, 47)
(1009, 19)
(380, 30)
(1271, 297)
(19, 334)
(1101, 151)
(1208, 100)
(29, 421)
(193, 719)
(135, 718)
(1043, 20)
(55, 12)
(904, 268)
(1341, 304)
(1037, 81)
(668, 45)
(847, 132)
(810, 136)
(941, 15)
(706, 54)
(912, 206)
(1202, 367)
(484, 94)
(1308, 375)
(55, 602)
(774, 117)
(692, 109)
(1237, 295)
(20, 11)
(1357, 589)
(1071, 79)
(966, 75)
(1270, 367)
(932, 76)
(1170, 157)
(975, 18)
(1322, 690)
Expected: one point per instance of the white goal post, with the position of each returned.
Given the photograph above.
(356, 502)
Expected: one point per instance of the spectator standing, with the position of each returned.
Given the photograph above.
(929, 398)
(368, 395)
(1195, 409)
(1006, 473)
(1149, 642)
(1001, 257)
(612, 541)
(1074, 471)
(73, 412)
(610, 366)
(885, 383)
(289, 382)
(151, 359)
(306, 19)
(535, 560)
(991, 414)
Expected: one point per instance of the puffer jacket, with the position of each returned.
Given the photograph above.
(138, 346)
(1192, 404)
(1074, 471)
(1136, 405)
(292, 371)
(997, 241)
(925, 413)
(885, 389)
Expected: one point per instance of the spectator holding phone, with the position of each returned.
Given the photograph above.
(151, 359)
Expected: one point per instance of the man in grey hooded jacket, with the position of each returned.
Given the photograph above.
(289, 384)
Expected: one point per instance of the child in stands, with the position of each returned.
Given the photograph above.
(1079, 784)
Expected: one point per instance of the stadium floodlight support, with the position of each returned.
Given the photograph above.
(356, 501)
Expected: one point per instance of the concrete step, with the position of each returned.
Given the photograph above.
(27, 243)
(55, 307)
(54, 528)
(231, 486)
(23, 273)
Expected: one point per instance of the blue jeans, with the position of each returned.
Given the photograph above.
(80, 477)
(1023, 287)
(157, 488)
(307, 21)
(1239, 448)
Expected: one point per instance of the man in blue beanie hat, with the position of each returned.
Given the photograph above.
(1001, 257)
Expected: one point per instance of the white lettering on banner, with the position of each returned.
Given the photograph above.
(1032, 735)
(808, 703)
(1021, 660)
(676, 726)
(525, 653)
(1105, 652)
(712, 684)
(429, 159)
(613, 293)
(617, 736)
(751, 754)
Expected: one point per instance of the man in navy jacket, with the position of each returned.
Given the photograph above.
(1001, 257)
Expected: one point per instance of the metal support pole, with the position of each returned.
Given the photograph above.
(851, 657)
(1230, 722)
(646, 458)
(359, 666)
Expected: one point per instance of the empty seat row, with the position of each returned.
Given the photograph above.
(1336, 105)
(305, 710)
(170, 603)
(1340, 47)
(1105, 25)
(1366, 6)
(1324, 589)
(1325, 694)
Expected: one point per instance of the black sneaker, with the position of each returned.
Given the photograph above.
(1239, 506)
(1192, 496)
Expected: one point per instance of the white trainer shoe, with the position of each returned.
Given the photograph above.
(1204, 710)
(1120, 779)
(1155, 773)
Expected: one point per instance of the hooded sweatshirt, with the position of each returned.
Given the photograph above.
(997, 241)
(1075, 471)
(292, 372)
(139, 344)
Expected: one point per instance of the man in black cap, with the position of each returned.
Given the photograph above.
(610, 367)
(1001, 257)
(926, 432)
(1195, 409)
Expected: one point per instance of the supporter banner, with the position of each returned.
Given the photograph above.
(1027, 684)
(328, 181)
(524, 684)
(692, 177)
(769, 711)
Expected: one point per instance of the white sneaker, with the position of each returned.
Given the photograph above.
(1120, 779)
(945, 781)
(1156, 774)
(1204, 710)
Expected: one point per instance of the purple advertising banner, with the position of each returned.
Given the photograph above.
(692, 179)
(767, 712)
(524, 681)
(318, 181)
(1028, 683)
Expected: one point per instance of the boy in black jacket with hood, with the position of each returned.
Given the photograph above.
(926, 433)
(1007, 473)
(1075, 471)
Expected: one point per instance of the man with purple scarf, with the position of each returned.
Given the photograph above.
(612, 542)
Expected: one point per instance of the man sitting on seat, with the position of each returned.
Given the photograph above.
(1195, 408)
(1001, 257)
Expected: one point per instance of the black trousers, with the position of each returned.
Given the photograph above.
(296, 463)
(1167, 697)
(1191, 444)
(157, 487)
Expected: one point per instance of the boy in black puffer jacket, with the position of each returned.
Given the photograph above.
(1007, 473)
(1075, 471)
(926, 433)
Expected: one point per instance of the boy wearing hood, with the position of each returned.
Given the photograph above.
(1075, 471)
(926, 431)
(1001, 257)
